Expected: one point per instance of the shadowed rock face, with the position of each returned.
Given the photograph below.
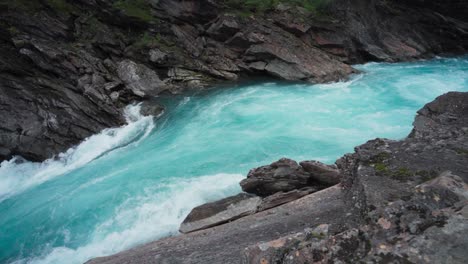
(398, 202)
(42, 111)
(66, 72)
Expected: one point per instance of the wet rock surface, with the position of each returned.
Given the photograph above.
(67, 71)
(398, 202)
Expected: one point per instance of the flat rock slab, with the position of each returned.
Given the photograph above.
(280, 198)
(220, 212)
(226, 243)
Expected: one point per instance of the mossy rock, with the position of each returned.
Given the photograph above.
(249, 7)
(27, 6)
(135, 8)
(402, 174)
(462, 151)
(425, 175)
(61, 6)
(34, 6)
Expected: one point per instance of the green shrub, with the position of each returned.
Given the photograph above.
(261, 6)
(21, 5)
(33, 6)
(147, 40)
(135, 8)
(13, 30)
(61, 6)
(462, 151)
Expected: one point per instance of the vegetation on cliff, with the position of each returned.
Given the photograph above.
(261, 6)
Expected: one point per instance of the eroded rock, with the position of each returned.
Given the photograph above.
(286, 175)
(323, 173)
(157, 56)
(281, 176)
(141, 80)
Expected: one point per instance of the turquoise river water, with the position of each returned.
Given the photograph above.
(133, 184)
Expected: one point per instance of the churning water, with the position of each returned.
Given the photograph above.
(129, 185)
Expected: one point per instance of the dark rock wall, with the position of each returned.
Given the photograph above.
(67, 68)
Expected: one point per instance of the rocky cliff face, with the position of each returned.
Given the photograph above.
(68, 67)
(398, 202)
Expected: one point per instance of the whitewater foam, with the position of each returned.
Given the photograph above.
(17, 175)
(144, 218)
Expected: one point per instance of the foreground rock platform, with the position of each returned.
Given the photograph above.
(398, 202)
(268, 186)
(225, 243)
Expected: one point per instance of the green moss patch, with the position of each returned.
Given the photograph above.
(33, 6)
(461, 151)
(425, 175)
(28, 6)
(247, 7)
(383, 167)
(61, 6)
(402, 174)
(135, 8)
(380, 158)
(147, 40)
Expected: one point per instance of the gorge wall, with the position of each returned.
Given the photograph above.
(67, 68)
